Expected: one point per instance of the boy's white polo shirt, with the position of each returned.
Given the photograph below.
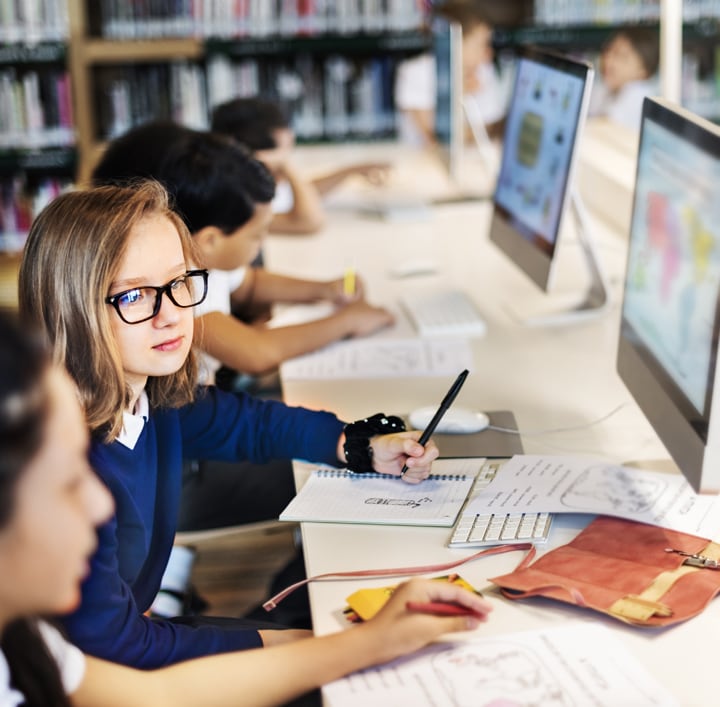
(221, 284)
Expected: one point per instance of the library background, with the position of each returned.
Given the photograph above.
(75, 73)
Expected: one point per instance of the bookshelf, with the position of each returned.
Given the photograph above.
(37, 139)
(88, 52)
(333, 62)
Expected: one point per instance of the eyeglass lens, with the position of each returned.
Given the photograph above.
(143, 302)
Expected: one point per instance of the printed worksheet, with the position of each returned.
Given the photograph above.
(382, 358)
(560, 484)
(568, 666)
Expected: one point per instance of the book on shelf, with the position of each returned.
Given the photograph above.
(125, 19)
(599, 12)
(35, 109)
(20, 203)
(342, 496)
(33, 21)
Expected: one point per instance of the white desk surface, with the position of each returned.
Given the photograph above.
(553, 377)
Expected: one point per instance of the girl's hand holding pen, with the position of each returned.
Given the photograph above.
(447, 401)
(392, 452)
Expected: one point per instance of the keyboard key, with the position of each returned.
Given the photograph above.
(510, 527)
(473, 530)
(444, 313)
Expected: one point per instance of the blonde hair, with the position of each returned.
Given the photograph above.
(72, 254)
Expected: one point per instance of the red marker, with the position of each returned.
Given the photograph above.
(442, 609)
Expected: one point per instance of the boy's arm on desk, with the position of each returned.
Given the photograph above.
(417, 172)
(258, 349)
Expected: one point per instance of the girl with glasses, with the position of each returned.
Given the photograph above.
(108, 275)
(50, 504)
(223, 196)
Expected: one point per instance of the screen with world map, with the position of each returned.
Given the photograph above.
(668, 346)
(672, 281)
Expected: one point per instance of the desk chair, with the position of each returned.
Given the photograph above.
(235, 565)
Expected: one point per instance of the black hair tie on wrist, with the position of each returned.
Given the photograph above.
(358, 452)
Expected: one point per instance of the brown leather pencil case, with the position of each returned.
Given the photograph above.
(637, 573)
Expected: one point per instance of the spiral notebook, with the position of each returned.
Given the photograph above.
(341, 496)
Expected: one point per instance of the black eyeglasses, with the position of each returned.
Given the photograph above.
(143, 303)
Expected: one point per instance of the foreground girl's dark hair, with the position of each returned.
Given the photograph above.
(23, 414)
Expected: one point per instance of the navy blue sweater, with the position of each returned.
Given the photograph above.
(135, 544)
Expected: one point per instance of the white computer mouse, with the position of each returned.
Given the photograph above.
(413, 267)
(457, 420)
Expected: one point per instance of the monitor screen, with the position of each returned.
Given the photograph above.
(447, 50)
(667, 352)
(547, 108)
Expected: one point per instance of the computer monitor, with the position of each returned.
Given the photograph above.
(668, 345)
(535, 182)
(452, 120)
(447, 50)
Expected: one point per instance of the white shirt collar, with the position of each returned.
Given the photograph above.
(8, 696)
(134, 422)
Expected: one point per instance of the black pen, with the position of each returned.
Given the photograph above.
(444, 406)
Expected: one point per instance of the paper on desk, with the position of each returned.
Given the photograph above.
(558, 484)
(291, 315)
(382, 358)
(575, 664)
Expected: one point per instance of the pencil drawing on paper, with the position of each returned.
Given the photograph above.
(615, 486)
(408, 502)
(565, 666)
(497, 674)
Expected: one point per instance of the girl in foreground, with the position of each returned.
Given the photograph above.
(109, 276)
(50, 503)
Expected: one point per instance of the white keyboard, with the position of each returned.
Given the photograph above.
(472, 530)
(444, 313)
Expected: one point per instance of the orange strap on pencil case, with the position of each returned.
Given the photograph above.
(637, 573)
(271, 603)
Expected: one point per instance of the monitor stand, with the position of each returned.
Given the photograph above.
(597, 298)
(486, 168)
(483, 144)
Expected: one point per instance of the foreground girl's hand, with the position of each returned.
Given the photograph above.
(401, 630)
(392, 452)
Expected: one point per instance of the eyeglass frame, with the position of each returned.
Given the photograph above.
(159, 291)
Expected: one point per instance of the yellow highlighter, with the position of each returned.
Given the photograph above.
(349, 282)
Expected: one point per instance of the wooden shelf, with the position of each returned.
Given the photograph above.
(100, 51)
(9, 267)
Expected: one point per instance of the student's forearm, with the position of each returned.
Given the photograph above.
(273, 288)
(276, 674)
(272, 676)
(306, 215)
(256, 678)
(328, 182)
(373, 172)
